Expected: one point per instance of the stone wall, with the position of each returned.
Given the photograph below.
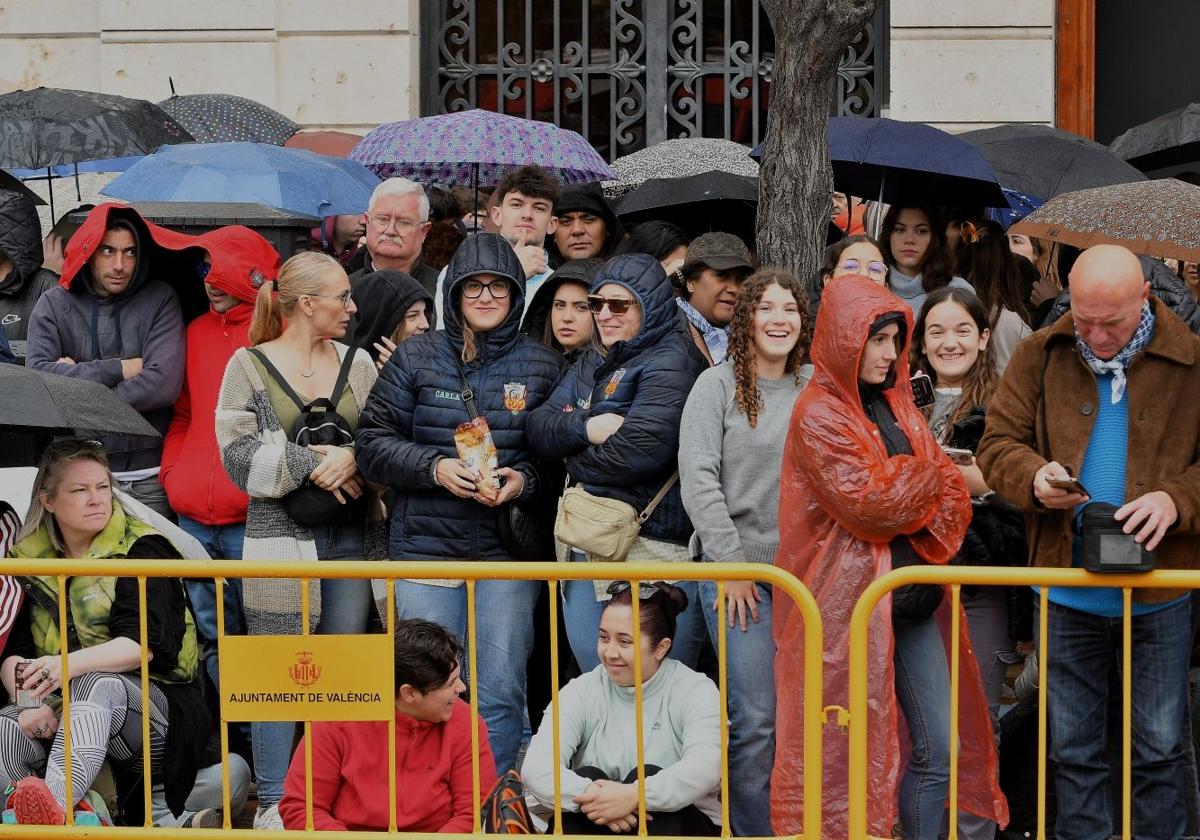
(348, 65)
(963, 64)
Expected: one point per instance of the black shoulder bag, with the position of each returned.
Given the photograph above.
(526, 531)
(319, 424)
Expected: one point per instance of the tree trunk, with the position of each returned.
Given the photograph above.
(796, 180)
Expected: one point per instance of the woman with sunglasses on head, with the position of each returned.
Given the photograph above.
(954, 344)
(479, 365)
(614, 419)
(75, 513)
(865, 489)
(598, 748)
(293, 360)
(918, 256)
(733, 428)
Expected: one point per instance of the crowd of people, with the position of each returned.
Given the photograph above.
(482, 369)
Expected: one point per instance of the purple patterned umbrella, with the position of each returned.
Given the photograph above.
(477, 148)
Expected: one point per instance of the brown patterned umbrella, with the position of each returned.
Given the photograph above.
(1156, 218)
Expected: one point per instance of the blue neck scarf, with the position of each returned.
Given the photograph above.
(1119, 363)
(716, 339)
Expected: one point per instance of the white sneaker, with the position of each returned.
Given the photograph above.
(268, 819)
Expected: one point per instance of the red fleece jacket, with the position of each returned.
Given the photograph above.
(350, 784)
(192, 473)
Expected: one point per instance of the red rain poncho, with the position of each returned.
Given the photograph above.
(842, 500)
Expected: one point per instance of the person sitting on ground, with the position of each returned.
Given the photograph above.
(74, 513)
(597, 747)
(707, 286)
(433, 750)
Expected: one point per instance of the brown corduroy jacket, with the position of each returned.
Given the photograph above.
(1163, 445)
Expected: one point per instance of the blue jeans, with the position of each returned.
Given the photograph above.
(1083, 650)
(221, 542)
(504, 625)
(923, 692)
(750, 664)
(582, 613)
(345, 607)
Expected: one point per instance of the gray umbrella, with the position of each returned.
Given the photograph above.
(224, 118)
(35, 401)
(680, 159)
(1171, 140)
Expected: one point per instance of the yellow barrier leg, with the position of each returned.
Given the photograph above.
(636, 601)
(1043, 671)
(955, 653)
(147, 784)
(1127, 712)
(722, 687)
(391, 630)
(66, 693)
(473, 656)
(225, 793)
(557, 736)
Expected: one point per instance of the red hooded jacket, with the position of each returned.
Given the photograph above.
(842, 501)
(192, 473)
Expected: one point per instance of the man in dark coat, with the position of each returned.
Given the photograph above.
(397, 222)
(22, 278)
(587, 225)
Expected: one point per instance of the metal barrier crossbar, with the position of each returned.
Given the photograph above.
(470, 572)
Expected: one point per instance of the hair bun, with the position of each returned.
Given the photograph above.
(675, 600)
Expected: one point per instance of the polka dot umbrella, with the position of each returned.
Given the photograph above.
(224, 118)
(477, 148)
(1154, 218)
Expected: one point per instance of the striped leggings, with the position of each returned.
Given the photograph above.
(106, 722)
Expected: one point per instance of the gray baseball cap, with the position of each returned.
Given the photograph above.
(718, 251)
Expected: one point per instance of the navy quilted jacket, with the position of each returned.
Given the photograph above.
(408, 422)
(646, 380)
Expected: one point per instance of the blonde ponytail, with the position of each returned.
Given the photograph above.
(303, 274)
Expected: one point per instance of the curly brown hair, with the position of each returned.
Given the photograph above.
(741, 336)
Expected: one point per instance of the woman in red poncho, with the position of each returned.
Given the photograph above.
(865, 488)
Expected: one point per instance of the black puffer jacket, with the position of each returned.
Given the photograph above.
(384, 298)
(409, 420)
(1164, 285)
(20, 242)
(646, 380)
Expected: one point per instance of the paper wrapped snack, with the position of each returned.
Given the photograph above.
(477, 450)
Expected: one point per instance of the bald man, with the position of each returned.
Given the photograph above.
(1109, 394)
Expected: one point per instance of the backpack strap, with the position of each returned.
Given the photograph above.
(338, 387)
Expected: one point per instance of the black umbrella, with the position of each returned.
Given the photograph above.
(224, 118)
(47, 126)
(1043, 162)
(8, 181)
(1172, 140)
(658, 193)
(35, 401)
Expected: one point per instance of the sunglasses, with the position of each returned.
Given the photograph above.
(69, 447)
(645, 590)
(202, 269)
(499, 289)
(617, 306)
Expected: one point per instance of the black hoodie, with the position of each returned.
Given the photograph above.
(387, 296)
(20, 242)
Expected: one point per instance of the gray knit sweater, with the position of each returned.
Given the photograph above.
(729, 472)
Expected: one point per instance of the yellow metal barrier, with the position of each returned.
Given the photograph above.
(471, 572)
(955, 577)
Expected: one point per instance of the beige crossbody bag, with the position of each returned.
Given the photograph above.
(603, 528)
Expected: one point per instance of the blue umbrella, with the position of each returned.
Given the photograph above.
(1020, 205)
(295, 180)
(911, 162)
(66, 170)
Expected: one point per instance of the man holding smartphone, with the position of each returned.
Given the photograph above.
(1107, 395)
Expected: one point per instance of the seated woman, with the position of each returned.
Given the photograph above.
(598, 750)
(433, 751)
(74, 514)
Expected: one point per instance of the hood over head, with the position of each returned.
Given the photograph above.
(156, 246)
(20, 240)
(484, 253)
(572, 271)
(242, 261)
(588, 198)
(392, 293)
(642, 275)
(852, 308)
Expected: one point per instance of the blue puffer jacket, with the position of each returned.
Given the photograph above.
(646, 380)
(409, 420)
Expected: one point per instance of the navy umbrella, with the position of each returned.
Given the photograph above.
(1041, 161)
(910, 162)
